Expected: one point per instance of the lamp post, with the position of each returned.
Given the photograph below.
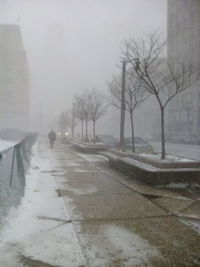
(123, 104)
(73, 119)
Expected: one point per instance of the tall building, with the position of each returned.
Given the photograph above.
(184, 47)
(14, 79)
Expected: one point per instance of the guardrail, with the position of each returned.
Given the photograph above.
(14, 162)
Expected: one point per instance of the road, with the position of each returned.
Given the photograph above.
(190, 151)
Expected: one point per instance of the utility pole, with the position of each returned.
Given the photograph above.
(73, 119)
(40, 120)
(123, 105)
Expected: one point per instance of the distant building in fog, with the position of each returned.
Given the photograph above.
(184, 46)
(14, 79)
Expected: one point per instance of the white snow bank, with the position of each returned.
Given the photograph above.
(39, 228)
(5, 145)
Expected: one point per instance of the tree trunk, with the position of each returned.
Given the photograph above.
(132, 132)
(94, 132)
(123, 106)
(82, 130)
(162, 133)
(86, 130)
(73, 121)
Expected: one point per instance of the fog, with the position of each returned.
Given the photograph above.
(73, 45)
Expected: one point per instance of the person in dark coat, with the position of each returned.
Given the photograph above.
(52, 138)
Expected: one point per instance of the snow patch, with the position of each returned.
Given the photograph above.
(81, 170)
(89, 190)
(4, 145)
(180, 185)
(130, 243)
(92, 158)
(116, 244)
(40, 227)
(194, 224)
(168, 158)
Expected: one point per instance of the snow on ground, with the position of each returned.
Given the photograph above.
(90, 189)
(5, 145)
(170, 158)
(195, 224)
(181, 185)
(126, 247)
(40, 227)
(130, 243)
(82, 170)
(92, 157)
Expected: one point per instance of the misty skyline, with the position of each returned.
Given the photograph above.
(75, 45)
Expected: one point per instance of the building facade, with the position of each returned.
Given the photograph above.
(184, 47)
(14, 79)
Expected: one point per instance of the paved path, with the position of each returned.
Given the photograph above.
(120, 222)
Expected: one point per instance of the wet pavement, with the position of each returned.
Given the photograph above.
(121, 222)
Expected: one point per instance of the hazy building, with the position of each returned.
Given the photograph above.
(184, 46)
(14, 79)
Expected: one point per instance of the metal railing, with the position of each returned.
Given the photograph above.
(14, 162)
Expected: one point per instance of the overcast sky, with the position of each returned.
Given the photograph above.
(74, 45)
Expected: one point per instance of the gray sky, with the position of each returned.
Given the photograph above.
(73, 45)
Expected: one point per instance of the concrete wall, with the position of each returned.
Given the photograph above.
(184, 46)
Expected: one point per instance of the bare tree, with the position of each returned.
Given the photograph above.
(86, 111)
(73, 114)
(79, 103)
(82, 111)
(162, 78)
(97, 108)
(134, 96)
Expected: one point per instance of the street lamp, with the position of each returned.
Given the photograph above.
(73, 119)
(123, 104)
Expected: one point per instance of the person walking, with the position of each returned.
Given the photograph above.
(52, 138)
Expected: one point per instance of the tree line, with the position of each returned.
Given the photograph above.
(147, 72)
(89, 106)
(151, 73)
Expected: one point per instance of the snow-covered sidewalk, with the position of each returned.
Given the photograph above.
(78, 212)
(4, 145)
(40, 229)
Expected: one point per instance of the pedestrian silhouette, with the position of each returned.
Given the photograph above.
(52, 138)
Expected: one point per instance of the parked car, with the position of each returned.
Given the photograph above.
(140, 145)
(107, 139)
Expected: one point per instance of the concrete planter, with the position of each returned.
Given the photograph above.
(89, 148)
(154, 172)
